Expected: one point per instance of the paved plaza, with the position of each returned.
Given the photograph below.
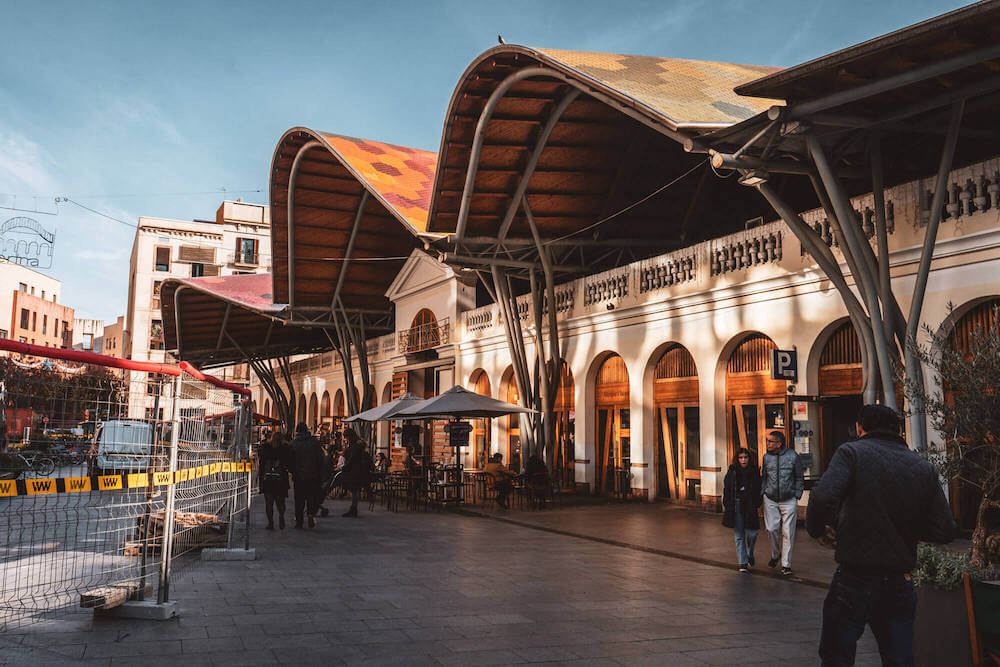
(445, 588)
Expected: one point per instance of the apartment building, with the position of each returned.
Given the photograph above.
(88, 335)
(114, 338)
(237, 241)
(29, 308)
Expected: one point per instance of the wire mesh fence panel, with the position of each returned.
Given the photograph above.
(90, 459)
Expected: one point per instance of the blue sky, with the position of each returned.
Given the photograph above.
(118, 105)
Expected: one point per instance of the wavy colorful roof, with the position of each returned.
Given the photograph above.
(401, 177)
(685, 91)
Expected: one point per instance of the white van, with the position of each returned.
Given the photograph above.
(120, 445)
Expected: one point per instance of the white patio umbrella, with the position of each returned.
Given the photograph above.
(386, 412)
(459, 402)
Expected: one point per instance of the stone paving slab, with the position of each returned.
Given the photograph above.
(442, 589)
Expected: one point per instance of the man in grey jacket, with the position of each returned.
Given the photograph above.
(782, 479)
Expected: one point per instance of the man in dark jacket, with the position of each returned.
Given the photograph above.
(275, 461)
(782, 478)
(876, 500)
(307, 457)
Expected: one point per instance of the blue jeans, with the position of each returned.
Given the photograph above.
(887, 603)
(746, 538)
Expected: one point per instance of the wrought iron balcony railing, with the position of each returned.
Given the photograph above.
(424, 337)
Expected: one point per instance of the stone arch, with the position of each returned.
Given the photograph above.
(338, 403)
(670, 380)
(511, 438)
(324, 405)
(385, 428)
(300, 413)
(754, 403)
(313, 411)
(479, 382)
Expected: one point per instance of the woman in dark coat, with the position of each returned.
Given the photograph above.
(740, 500)
(275, 461)
(356, 473)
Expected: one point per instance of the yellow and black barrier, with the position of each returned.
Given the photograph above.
(133, 480)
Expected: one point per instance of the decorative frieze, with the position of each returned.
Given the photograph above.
(738, 254)
(605, 287)
(666, 272)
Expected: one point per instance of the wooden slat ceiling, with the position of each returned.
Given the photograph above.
(329, 185)
(202, 310)
(598, 160)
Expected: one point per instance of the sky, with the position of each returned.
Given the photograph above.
(153, 109)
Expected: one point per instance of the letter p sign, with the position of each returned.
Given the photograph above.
(784, 365)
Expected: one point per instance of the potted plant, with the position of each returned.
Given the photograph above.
(941, 630)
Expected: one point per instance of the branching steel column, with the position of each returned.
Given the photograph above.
(222, 329)
(529, 168)
(514, 343)
(845, 213)
(914, 370)
(882, 238)
(544, 417)
(292, 176)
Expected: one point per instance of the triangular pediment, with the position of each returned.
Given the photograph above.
(420, 271)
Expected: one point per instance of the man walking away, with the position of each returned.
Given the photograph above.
(357, 469)
(308, 463)
(275, 460)
(782, 479)
(876, 500)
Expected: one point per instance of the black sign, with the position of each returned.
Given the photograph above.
(410, 436)
(784, 365)
(458, 433)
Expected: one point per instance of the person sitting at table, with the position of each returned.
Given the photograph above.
(411, 464)
(536, 477)
(382, 463)
(501, 478)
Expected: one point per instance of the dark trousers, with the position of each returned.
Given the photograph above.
(272, 500)
(307, 495)
(503, 490)
(355, 497)
(886, 603)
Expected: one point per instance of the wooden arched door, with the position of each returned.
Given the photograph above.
(513, 459)
(678, 453)
(565, 414)
(613, 473)
(480, 382)
(755, 403)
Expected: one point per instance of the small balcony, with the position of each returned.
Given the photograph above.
(248, 259)
(424, 337)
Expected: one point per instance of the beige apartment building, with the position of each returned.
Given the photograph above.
(237, 241)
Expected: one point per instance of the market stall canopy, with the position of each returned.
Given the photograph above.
(601, 136)
(213, 321)
(459, 402)
(355, 203)
(386, 412)
(900, 85)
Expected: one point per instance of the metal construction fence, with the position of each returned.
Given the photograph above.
(113, 475)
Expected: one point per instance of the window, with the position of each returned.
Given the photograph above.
(162, 259)
(197, 270)
(53, 298)
(55, 327)
(246, 251)
(88, 341)
(43, 295)
(22, 339)
(156, 335)
(24, 318)
(157, 285)
(34, 321)
(22, 287)
(3, 333)
(45, 324)
(32, 290)
(65, 328)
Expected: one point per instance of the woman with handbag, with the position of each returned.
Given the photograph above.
(740, 501)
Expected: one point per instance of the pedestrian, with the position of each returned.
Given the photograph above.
(875, 501)
(356, 472)
(741, 500)
(501, 478)
(782, 479)
(307, 469)
(274, 459)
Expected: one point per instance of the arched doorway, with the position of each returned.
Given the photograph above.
(509, 393)
(267, 407)
(338, 404)
(840, 386)
(565, 414)
(614, 441)
(964, 494)
(385, 428)
(678, 451)
(313, 411)
(479, 382)
(324, 408)
(300, 414)
(755, 404)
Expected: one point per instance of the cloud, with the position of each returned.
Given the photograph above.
(25, 165)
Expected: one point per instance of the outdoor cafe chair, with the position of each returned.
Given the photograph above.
(982, 601)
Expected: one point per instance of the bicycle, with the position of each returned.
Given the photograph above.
(40, 466)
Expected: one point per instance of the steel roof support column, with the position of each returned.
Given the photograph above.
(222, 329)
(514, 343)
(544, 418)
(292, 176)
(845, 214)
(914, 369)
(885, 294)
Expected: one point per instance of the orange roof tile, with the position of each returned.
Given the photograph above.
(403, 178)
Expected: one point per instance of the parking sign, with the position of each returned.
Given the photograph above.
(784, 365)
